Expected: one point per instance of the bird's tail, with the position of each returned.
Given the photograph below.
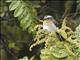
(61, 38)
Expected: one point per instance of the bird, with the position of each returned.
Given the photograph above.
(50, 24)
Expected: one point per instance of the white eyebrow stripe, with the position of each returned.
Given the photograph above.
(45, 17)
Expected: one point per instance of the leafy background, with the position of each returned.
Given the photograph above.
(20, 20)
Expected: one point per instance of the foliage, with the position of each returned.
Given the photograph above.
(56, 49)
(78, 6)
(3, 8)
(77, 32)
(16, 35)
(11, 32)
(24, 58)
(25, 12)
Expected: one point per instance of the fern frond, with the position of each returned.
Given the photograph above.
(25, 12)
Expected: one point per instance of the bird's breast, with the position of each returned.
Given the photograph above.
(50, 27)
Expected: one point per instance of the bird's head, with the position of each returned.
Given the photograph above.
(48, 17)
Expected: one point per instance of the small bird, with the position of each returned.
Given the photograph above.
(50, 24)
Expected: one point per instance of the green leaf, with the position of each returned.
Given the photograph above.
(30, 29)
(9, 0)
(27, 25)
(19, 10)
(58, 53)
(14, 5)
(77, 32)
(24, 58)
(23, 15)
(25, 19)
(45, 52)
(71, 58)
(46, 55)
